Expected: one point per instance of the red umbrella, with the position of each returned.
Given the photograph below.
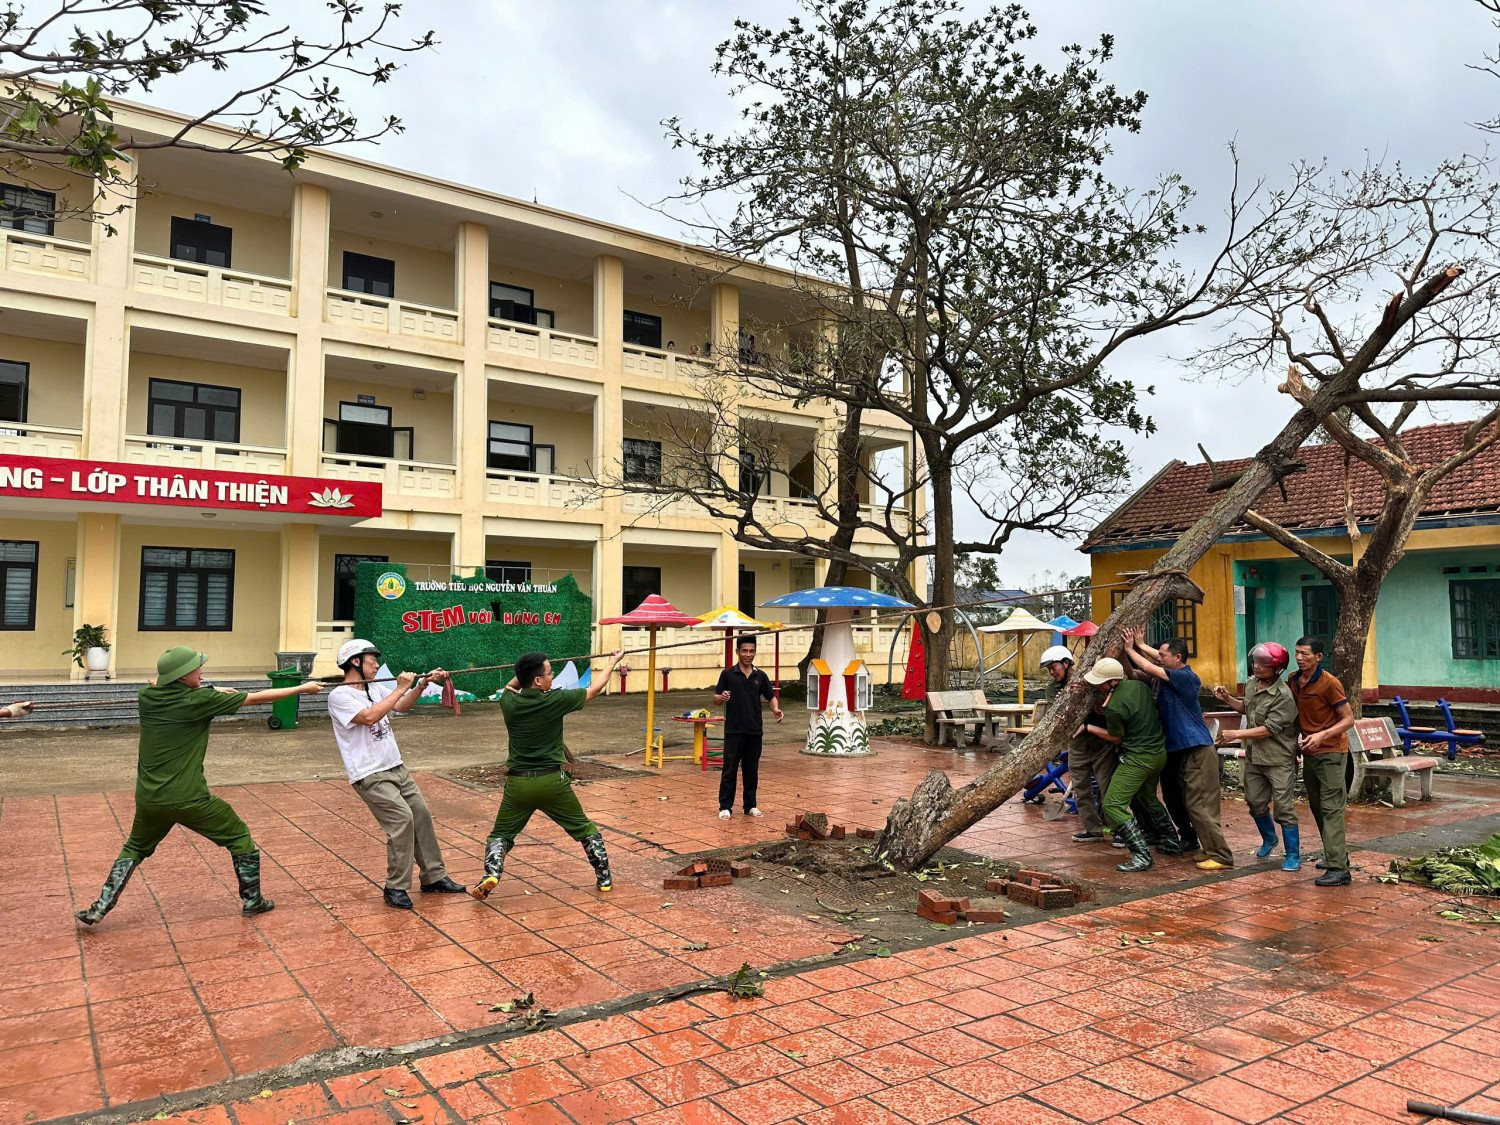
(653, 613)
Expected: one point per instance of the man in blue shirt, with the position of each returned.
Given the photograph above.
(1192, 760)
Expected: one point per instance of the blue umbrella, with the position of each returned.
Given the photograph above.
(1061, 623)
(835, 597)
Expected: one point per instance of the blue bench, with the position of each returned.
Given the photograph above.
(1451, 739)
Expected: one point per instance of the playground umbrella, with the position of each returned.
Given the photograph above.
(652, 614)
(844, 598)
(732, 621)
(1020, 622)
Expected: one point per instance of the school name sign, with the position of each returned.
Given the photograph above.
(468, 621)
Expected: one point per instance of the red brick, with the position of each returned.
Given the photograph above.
(995, 886)
(985, 914)
(867, 833)
(791, 828)
(804, 834)
(697, 868)
(946, 917)
(741, 870)
(722, 881)
(816, 823)
(836, 832)
(1054, 898)
(1027, 875)
(680, 883)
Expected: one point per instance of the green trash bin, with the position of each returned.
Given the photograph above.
(284, 711)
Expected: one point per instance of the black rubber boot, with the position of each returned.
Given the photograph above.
(1161, 833)
(247, 871)
(1140, 855)
(119, 875)
(593, 847)
(494, 867)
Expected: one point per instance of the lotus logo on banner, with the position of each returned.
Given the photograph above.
(390, 585)
(331, 498)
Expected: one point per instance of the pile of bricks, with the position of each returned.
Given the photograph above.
(814, 826)
(1041, 889)
(706, 873)
(936, 907)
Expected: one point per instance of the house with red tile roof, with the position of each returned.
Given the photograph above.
(1437, 624)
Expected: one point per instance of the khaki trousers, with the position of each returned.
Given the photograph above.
(1091, 758)
(1272, 785)
(1323, 775)
(402, 813)
(1200, 792)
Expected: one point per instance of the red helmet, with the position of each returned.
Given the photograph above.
(1272, 655)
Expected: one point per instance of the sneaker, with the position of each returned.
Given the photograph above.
(482, 889)
(754, 812)
(1085, 837)
(725, 814)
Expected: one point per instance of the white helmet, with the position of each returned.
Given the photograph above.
(349, 650)
(1055, 653)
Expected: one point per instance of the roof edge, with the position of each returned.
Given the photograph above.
(1103, 526)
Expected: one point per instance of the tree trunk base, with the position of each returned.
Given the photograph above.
(913, 821)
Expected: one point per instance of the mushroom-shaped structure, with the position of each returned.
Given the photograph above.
(732, 621)
(1020, 622)
(838, 684)
(654, 613)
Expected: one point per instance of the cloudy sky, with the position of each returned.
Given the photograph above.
(562, 100)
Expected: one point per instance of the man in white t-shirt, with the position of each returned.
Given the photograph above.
(361, 714)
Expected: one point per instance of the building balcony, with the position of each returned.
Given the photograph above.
(541, 490)
(207, 285)
(401, 480)
(391, 317)
(185, 453)
(661, 506)
(654, 363)
(46, 255)
(25, 440)
(512, 339)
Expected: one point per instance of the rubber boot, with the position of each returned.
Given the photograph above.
(593, 847)
(1293, 839)
(1267, 828)
(1135, 840)
(119, 875)
(1161, 833)
(247, 871)
(494, 867)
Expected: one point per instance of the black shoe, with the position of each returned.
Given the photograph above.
(1086, 837)
(396, 897)
(1321, 866)
(1333, 878)
(444, 886)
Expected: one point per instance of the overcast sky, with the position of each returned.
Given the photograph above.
(562, 100)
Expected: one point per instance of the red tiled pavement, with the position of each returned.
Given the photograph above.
(175, 991)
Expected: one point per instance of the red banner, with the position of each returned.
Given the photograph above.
(112, 482)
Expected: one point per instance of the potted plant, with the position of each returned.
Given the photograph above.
(90, 650)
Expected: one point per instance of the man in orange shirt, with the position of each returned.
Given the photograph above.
(1323, 717)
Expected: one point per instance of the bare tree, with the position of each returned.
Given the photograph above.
(63, 60)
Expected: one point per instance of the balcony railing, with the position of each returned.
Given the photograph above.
(411, 480)
(511, 338)
(653, 363)
(43, 254)
(185, 453)
(642, 503)
(541, 490)
(26, 440)
(231, 289)
(393, 317)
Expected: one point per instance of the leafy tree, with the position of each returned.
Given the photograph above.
(279, 95)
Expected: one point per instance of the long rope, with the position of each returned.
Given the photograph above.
(782, 631)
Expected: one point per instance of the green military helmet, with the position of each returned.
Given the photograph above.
(177, 662)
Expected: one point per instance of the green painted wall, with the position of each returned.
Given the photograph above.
(1413, 623)
(1276, 591)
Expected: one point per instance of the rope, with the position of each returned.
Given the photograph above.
(782, 631)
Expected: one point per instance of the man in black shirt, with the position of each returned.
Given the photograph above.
(740, 691)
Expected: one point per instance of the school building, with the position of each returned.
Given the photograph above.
(1437, 622)
(209, 418)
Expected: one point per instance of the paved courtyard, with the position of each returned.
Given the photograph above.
(1247, 997)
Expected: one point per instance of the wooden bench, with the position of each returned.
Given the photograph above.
(1023, 729)
(1373, 745)
(956, 712)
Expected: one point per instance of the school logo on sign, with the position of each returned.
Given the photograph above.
(390, 585)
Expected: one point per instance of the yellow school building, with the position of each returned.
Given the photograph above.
(188, 405)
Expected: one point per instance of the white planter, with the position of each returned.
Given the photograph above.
(97, 659)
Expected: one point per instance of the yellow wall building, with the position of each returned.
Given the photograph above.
(475, 357)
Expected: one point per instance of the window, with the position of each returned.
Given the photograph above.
(192, 410)
(512, 302)
(1320, 611)
(543, 318)
(752, 480)
(642, 329)
(23, 209)
(502, 570)
(1475, 608)
(1177, 618)
(364, 429)
(17, 584)
(639, 583)
(14, 379)
(343, 582)
(186, 588)
(197, 240)
(510, 447)
(365, 274)
(642, 461)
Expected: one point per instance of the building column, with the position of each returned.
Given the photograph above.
(107, 356)
(300, 576)
(311, 209)
(1370, 674)
(724, 321)
(96, 588)
(609, 574)
(471, 398)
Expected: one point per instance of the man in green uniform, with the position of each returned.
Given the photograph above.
(170, 788)
(1130, 720)
(536, 777)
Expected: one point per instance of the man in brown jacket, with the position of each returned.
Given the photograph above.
(1323, 718)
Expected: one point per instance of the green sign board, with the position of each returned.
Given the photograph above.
(469, 621)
